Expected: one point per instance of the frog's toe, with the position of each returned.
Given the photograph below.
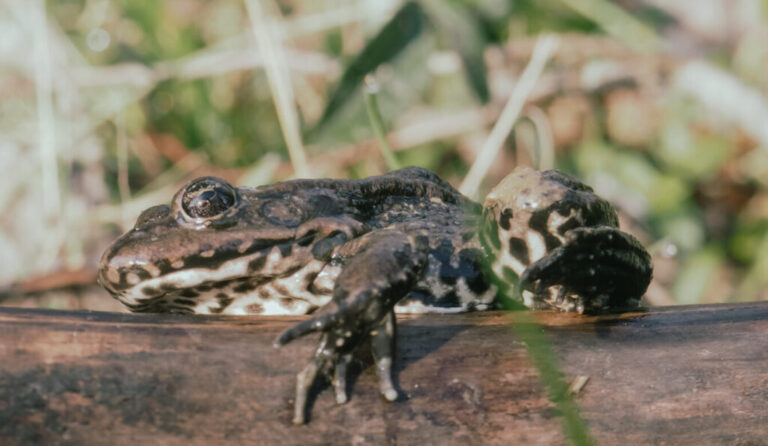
(320, 322)
(340, 378)
(304, 381)
(390, 394)
(386, 386)
(383, 349)
(381, 273)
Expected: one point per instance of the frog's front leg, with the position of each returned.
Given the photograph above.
(383, 340)
(379, 270)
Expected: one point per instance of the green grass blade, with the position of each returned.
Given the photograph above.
(395, 36)
(545, 360)
(618, 23)
(377, 122)
(455, 28)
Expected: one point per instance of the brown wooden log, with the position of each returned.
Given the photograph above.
(684, 375)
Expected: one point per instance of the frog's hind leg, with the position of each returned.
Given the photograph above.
(380, 269)
(598, 269)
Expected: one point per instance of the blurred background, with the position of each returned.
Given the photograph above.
(108, 107)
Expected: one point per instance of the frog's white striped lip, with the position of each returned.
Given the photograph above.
(128, 262)
(267, 263)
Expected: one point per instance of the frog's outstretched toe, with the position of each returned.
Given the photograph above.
(317, 323)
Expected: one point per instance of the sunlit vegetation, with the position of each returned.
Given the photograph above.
(108, 106)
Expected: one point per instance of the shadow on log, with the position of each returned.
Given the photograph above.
(683, 375)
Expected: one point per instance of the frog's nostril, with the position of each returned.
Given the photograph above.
(153, 214)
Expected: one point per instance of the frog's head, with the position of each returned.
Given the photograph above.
(529, 214)
(211, 234)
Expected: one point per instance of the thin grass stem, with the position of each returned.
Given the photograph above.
(545, 45)
(278, 76)
(46, 120)
(371, 92)
(544, 359)
(123, 185)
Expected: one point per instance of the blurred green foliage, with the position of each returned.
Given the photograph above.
(183, 80)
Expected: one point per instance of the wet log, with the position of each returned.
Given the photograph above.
(682, 375)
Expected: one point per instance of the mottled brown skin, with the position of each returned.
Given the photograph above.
(560, 241)
(349, 251)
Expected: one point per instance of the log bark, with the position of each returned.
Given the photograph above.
(682, 375)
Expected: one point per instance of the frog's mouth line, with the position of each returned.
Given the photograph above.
(266, 263)
(128, 262)
(243, 296)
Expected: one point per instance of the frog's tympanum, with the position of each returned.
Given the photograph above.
(353, 252)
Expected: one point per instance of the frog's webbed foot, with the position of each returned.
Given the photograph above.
(379, 271)
(598, 269)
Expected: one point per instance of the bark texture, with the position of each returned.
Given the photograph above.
(683, 375)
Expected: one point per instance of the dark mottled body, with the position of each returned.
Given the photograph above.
(281, 250)
(348, 251)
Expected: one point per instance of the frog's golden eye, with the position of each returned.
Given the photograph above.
(208, 197)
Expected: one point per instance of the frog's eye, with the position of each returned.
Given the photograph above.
(208, 197)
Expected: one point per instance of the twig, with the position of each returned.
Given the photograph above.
(46, 122)
(278, 76)
(578, 384)
(544, 47)
(47, 142)
(122, 157)
(543, 154)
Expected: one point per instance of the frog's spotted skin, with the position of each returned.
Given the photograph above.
(542, 218)
(348, 251)
(280, 249)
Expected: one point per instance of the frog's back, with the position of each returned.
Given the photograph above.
(377, 195)
(270, 249)
(416, 201)
(455, 276)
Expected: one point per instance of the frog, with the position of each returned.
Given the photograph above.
(353, 253)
